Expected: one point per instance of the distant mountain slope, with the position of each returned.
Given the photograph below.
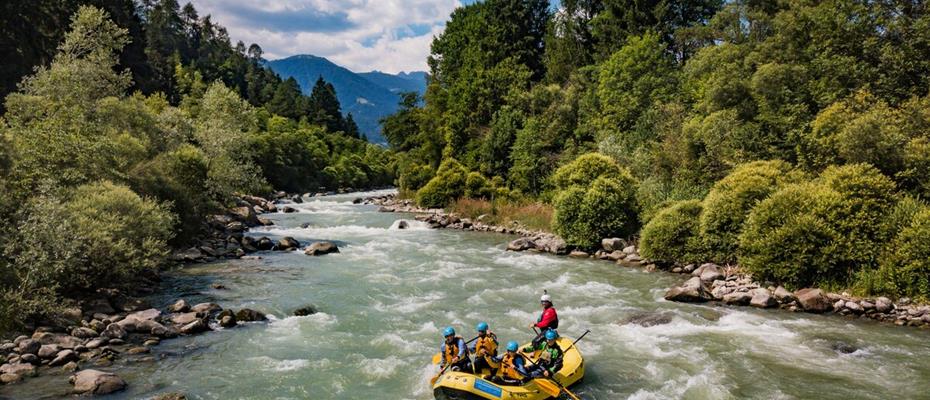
(402, 82)
(368, 96)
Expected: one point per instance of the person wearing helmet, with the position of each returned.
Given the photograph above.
(550, 356)
(549, 319)
(454, 352)
(512, 366)
(485, 347)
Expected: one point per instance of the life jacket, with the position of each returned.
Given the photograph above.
(488, 343)
(550, 356)
(551, 317)
(509, 367)
(452, 349)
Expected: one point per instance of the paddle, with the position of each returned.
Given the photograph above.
(546, 385)
(438, 356)
(433, 380)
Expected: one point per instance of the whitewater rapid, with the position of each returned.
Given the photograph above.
(386, 296)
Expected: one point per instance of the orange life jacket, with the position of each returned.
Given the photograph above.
(508, 367)
(452, 349)
(488, 343)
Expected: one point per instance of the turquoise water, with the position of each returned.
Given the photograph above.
(387, 295)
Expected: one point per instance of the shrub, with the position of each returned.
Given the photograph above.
(478, 187)
(415, 176)
(825, 232)
(786, 238)
(102, 235)
(905, 269)
(607, 208)
(673, 233)
(444, 188)
(730, 200)
(585, 169)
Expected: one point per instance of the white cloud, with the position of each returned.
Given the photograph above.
(361, 35)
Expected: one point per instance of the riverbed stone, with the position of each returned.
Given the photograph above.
(30, 358)
(287, 243)
(883, 305)
(48, 351)
(737, 298)
(228, 321)
(648, 319)
(194, 327)
(854, 307)
(184, 318)
(179, 306)
(578, 254)
(783, 295)
(612, 244)
(28, 346)
(521, 244)
(304, 311)
(813, 300)
(19, 369)
(843, 347)
(114, 331)
(762, 299)
(691, 291)
(249, 315)
(92, 381)
(206, 308)
(70, 367)
(321, 248)
(84, 333)
(63, 357)
(263, 243)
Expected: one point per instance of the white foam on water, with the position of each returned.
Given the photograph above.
(379, 368)
(528, 261)
(412, 225)
(271, 364)
(409, 304)
(400, 344)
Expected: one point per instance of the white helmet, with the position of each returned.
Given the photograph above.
(545, 298)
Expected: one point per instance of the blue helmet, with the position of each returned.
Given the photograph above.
(449, 331)
(552, 335)
(482, 327)
(512, 346)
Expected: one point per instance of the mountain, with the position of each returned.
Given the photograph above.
(367, 96)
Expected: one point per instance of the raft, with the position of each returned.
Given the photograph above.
(459, 385)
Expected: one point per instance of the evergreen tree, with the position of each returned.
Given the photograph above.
(325, 110)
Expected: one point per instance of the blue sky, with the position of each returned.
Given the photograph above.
(362, 35)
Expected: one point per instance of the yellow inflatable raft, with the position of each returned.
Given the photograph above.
(467, 386)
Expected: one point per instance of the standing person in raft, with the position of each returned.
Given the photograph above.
(548, 320)
(454, 352)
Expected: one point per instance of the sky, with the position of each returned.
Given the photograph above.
(361, 35)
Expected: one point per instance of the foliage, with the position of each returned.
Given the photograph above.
(905, 268)
(673, 234)
(584, 170)
(824, 232)
(732, 198)
(585, 215)
(444, 188)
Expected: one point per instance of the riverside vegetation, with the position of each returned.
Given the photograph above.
(102, 174)
(790, 138)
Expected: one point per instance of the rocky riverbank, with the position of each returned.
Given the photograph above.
(111, 324)
(727, 285)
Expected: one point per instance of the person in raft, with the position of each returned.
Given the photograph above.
(485, 348)
(548, 320)
(550, 357)
(512, 366)
(454, 352)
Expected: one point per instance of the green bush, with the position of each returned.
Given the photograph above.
(733, 197)
(584, 170)
(444, 188)
(673, 233)
(415, 176)
(102, 235)
(478, 187)
(825, 232)
(607, 208)
(905, 269)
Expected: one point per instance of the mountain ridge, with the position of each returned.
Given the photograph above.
(368, 96)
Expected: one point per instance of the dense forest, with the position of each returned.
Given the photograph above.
(126, 125)
(790, 137)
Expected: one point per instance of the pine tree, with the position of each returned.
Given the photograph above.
(325, 108)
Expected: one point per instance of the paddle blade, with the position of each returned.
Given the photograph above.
(548, 387)
(432, 381)
(437, 358)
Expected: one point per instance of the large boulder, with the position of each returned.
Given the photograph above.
(304, 311)
(763, 299)
(248, 315)
(521, 244)
(692, 291)
(737, 298)
(184, 318)
(813, 300)
(245, 215)
(28, 346)
(195, 327)
(179, 306)
(114, 331)
(883, 305)
(783, 295)
(612, 244)
(91, 381)
(320, 248)
(287, 243)
(63, 357)
(18, 370)
(48, 351)
(206, 308)
(648, 319)
(264, 243)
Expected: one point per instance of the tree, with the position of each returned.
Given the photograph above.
(324, 106)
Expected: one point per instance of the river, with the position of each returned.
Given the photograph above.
(384, 299)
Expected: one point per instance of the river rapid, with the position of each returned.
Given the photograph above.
(385, 298)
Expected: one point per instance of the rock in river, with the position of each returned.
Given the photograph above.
(521, 244)
(648, 319)
(96, 382)
(320, 248)
(813, 300)
(303, 311)
(248, 315)
(692, 291)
